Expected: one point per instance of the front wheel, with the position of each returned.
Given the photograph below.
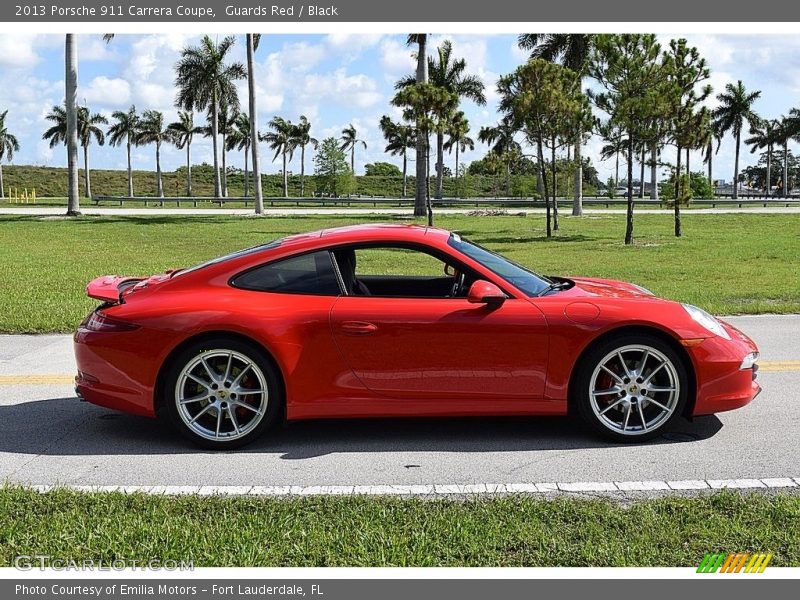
(631, 388)
(222, 393)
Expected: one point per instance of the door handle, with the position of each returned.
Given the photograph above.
(359, 327)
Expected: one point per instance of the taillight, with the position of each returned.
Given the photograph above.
(99, 321)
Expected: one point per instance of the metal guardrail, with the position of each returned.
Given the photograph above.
(448, 202)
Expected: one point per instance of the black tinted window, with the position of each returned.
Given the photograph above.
(305, 274)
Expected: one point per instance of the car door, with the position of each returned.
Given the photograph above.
(410, 347)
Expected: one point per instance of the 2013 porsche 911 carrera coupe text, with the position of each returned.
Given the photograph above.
(399, 320)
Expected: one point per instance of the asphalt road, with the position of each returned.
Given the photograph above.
(48, 437)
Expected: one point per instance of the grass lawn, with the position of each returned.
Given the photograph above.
(359, 531)
(724, 263)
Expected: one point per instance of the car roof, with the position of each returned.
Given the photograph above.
(367, 232)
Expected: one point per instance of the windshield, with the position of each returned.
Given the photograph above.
(231, 256)
(518, 276)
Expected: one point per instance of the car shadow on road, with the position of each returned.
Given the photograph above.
(67, 427)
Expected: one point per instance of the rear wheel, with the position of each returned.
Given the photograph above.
(631, 388)
(222, 393)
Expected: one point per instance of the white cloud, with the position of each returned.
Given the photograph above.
(356, 90)
(396, 58)
(16, 51)
(107, 92)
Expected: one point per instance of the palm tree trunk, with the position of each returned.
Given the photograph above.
(736, 168)
(555, 185)
(654, 171)
(353, 158)
(2, 189)
(678, 186)
(577, 198)
(421, 170)
(428, 179)
(214, 142)
(439, 162)
(616, 177)
(508, 179)
(457, 194)
(224, 168)
(159, 182)
(641, 173)
(629, 215)
(130, 169)
(87, 182)
(688, 169)
(188, 168)
(246, 177)
(251, 88)
(285, 177)
(768, 182)
(711, 167)
(71, 87)
(786, 168)
(303, 170)
(405, 174)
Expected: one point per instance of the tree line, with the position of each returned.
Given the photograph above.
(645, 100)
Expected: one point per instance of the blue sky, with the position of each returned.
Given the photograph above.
(333, 79)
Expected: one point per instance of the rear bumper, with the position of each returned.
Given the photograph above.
(111, 376)
(721, 382)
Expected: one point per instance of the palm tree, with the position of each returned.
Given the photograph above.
(788, 129)
(87, 129)
(349, 142)
(735, 109)
(765, 134)
(71, 122)
(253, 40)
(227, 118)
(616, 144)
(182, 132)
(448, 73)
(280, 140)
(458, 138)
(420, 196)
(400, 139)
(205, 81)
(501, 139)
(8, 145)
(239, 139)
(125, 129)
(301, 137)
(709, 135)
(153, 131)
(573, 51)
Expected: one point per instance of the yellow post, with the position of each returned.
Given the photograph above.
(34, 195)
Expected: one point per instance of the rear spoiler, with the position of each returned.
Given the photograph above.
(109, 288)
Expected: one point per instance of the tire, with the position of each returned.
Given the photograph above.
(222, 393)
(629, 400)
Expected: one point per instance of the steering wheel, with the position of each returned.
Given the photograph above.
(458, 285)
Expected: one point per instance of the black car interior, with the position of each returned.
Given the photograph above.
(453, 283)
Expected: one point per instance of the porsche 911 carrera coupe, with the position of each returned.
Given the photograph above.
(399, 321)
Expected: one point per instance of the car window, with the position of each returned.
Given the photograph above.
(227, 257)
(305, 274)
(524, 279)
(397, 262)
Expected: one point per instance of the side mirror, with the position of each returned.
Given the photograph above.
(485, 292)
(449, 270)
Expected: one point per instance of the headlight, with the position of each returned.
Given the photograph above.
(706, 320)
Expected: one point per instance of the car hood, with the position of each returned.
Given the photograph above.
(608, 288)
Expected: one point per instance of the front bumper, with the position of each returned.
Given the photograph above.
(722, 382)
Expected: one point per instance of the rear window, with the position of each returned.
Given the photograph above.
(231, 256)
(305, 274)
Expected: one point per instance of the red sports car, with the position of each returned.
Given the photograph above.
(399, 320)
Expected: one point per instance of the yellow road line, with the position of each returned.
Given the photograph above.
(783, 366)
(36, 379)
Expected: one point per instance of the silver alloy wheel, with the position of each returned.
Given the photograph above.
(634, 389)
(221, 395)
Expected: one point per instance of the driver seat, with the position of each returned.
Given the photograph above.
(346, 259)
